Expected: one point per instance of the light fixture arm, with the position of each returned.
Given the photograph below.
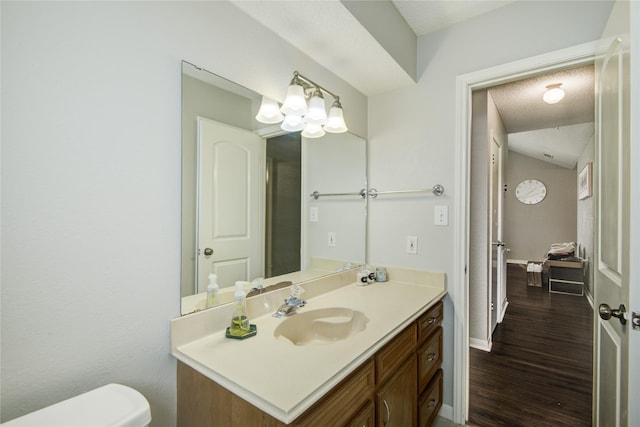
(307, 83)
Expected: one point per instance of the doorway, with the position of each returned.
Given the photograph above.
(283, 204)
(549, 156)
(581, 54)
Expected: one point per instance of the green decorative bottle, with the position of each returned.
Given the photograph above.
(239, 320)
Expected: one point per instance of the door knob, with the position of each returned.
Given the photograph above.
(607, 312)
(208, 251)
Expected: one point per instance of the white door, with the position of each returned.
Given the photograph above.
(612, 269)
(230, 207)
(498, 266)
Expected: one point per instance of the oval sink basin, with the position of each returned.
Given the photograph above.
(321, 326)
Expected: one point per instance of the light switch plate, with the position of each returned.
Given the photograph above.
(412, 245)
(331, 239)
(441, 215)
(313, 214)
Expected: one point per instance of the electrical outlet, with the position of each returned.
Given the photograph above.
(441, 215)
(412, 245)
(313, 214)
(331, 239)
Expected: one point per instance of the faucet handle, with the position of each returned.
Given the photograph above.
(296, 290)
(295, 302)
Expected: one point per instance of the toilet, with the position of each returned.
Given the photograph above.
(112, 405)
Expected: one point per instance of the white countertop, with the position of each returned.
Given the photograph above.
(283, 379)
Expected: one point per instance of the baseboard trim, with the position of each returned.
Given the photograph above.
(504, 311)
(478, 344)
(589, 298)
(446, 411)
(517, 261)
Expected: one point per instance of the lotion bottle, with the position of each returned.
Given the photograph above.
(212, 291)
(239, 320)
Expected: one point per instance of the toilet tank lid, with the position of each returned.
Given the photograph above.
(112, 405)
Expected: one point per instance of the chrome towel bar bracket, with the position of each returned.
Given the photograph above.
(436, 190)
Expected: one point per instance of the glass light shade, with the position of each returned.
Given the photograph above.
(317, 114)
(335, 122)
(292, 123)
(313, 131)
(553, 95)
(269, 111)
(295, 102)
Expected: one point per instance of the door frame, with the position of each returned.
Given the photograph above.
(501, 302)
(458, 292)
(634, 250)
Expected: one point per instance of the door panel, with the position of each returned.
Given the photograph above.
(612, 244)
(229, 211)
(610, 349)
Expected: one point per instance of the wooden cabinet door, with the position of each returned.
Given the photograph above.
(393, 355)
(396, 402)
(365, 418)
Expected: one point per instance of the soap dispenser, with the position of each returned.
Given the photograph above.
(239, 321)
(212, 291)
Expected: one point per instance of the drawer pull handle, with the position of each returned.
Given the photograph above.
(386, 406)
(432, 320)
(431, 357)
(432, 404)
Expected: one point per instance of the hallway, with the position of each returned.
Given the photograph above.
(540, 368)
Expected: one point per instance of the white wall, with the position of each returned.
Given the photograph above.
(531, 229)
(412, 131)
(91, 184)
(585, 221)
(334, 164)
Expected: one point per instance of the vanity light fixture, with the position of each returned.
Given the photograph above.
(269, 111)
(304, 109)
(554, 94)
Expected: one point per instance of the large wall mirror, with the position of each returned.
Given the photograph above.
(247, 209)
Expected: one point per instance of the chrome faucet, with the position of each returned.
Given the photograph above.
(292, 303)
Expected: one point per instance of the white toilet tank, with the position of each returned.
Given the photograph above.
(112, 405)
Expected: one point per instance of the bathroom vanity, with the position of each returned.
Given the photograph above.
(387, 373)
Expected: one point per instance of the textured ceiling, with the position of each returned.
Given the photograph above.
(556, 133)
(522, 108)
(560, 146)
(425, 17)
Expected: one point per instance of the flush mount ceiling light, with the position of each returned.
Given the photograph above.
(304, 109)
(554, 94)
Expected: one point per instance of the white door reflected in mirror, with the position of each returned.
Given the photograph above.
(229, 183)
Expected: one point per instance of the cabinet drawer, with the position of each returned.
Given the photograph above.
(366, 417)
(429, 321)
(429, 358)
(340, 405)
(430, 401)
(389, 359)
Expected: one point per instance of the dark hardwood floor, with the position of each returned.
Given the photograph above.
(538, 372)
